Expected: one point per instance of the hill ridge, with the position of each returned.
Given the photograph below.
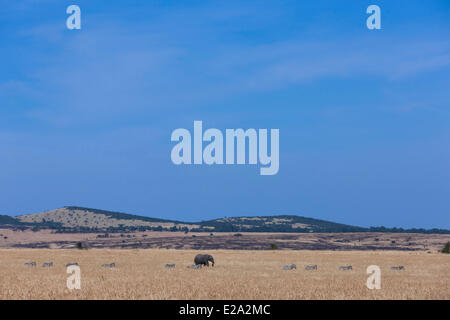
(70, 219)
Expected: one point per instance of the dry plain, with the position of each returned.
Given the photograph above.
(225, 240)
(238, 274)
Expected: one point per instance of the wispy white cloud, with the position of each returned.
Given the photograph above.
(110, 70)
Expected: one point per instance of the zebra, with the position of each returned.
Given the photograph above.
(72, 264)
(398, 268)
(30, 264)
(195, 266)
(292, 266)
(312, 267)
(47, 264)
(112, 265)
(170, 265)
(345, 268)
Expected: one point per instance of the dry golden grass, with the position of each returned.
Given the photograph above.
(140, 274)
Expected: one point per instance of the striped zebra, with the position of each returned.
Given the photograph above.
(112, 265)
(195, 266)
(398, 268)
(345, 268)
(312, 267)
(30, 264)
(170, 265)
(292, 266)
(72, 264)
(47, 264)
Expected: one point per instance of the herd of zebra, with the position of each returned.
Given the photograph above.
(313, 267)
(343, 268)
(50, 264)
(199, 266)
(33, 264)
(290, 267)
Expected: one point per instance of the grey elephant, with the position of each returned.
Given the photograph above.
(203, 259)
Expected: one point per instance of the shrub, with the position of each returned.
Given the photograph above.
(237, 234)
(446, 248)
(273, 246)
(82, 245)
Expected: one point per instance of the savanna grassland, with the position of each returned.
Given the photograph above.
(42, 239)
(238, 274)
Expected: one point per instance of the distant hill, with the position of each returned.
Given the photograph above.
(79, 219)
(282, 223)
(291, 223)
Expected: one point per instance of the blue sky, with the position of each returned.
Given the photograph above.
(364, 115)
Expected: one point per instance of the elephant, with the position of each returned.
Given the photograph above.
(203, 259)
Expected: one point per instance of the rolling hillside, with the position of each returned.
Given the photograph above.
(78, 219)
(282, 223)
